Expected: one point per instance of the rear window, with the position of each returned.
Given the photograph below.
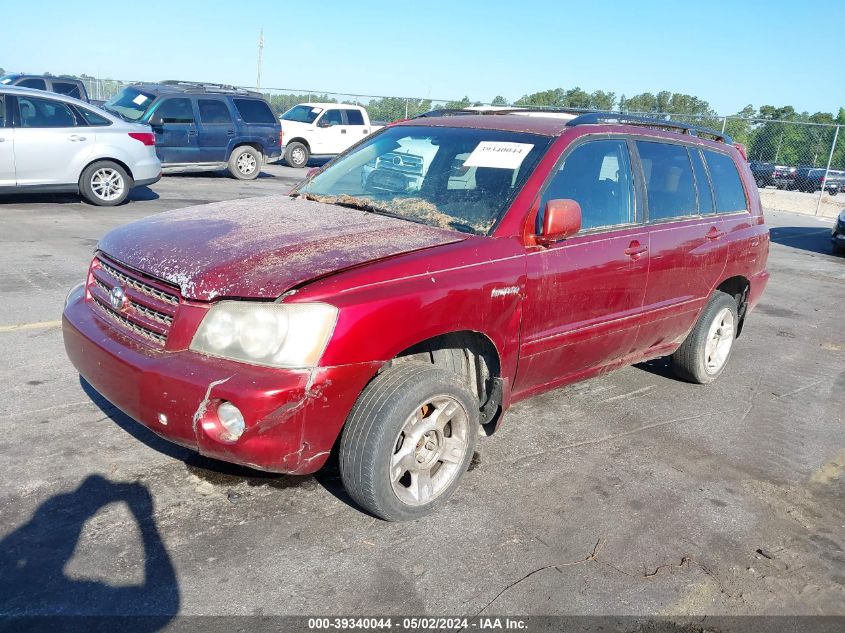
(67, 88)
(354, 117)
(254, 111)
(727, 186)
(669, 180)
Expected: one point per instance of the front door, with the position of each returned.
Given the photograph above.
(50, 148)
(584, 295)
(330, 133)
(175, 127)
(216, 130)
(7, 148)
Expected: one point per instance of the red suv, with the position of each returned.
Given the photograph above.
(400, 300)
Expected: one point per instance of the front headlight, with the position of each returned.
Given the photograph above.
(273, 334)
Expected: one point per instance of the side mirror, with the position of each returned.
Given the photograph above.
(324, 123)
(562, 219)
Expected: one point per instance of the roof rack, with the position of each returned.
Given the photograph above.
(617, 118)
(586, 117)
(203, 86)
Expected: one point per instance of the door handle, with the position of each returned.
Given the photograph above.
(635, 249)
(2, 140)
(343, 131)
(192, 132)
(230, 132)
(365, 131)
(714, 234)
(75, 138)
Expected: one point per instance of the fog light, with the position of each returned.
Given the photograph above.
(73, 292)
(232, 421)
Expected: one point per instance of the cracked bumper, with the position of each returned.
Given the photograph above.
(291, 423)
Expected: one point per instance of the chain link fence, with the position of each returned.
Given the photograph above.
(798, 165)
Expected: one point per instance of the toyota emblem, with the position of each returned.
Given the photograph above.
(117, 298)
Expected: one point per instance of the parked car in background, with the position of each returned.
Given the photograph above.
(68, 86)
(837, 236)
(202, 127)
(812, 179)
(771, 175)
(396, 324)
(322, 130)
(52, 143)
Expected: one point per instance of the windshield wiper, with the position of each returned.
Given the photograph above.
(351, 202)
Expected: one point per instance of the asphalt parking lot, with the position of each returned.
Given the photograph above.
(632, 493)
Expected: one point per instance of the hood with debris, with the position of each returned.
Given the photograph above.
(262, 247)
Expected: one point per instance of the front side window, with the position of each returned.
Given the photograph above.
(458, 178)
(332, 117)
(597, 175)
(177, 110)
(67, 88)
(213, 111)
(44, 113)
(668, 180)
(730, 195)
(354, 117)
(32, 82)
(254, 111)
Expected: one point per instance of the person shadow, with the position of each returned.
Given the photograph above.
(37, 594)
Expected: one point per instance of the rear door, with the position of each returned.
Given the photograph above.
(7, 147)
(584, 295)
(50, 148)
(174, 122)
(687, 240)
(216, 129)
(355, 125)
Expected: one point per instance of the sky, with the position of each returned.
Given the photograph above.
(730, 54)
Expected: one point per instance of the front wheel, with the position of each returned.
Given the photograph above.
(105, 184)
(702, 357)
(408, 441)
(245, 163)
(296, 155)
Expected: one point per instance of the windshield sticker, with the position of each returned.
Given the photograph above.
(140, 99)
(316, 110)
(498, 154)
(5, 81)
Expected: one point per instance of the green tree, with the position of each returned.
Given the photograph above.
(499, 101)
(458, 105)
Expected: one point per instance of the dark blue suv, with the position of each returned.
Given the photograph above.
(201, 127)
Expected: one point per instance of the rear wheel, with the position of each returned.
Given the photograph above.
(408, 441)
(245, 163)
(702, 357)
(296, 155)
(105, 183)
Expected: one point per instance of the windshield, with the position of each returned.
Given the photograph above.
(302, 114)
(459, 178)
(130, 103)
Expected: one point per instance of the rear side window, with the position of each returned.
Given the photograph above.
(354, 117)
(214, 111)
(730, 196)
(597, 175)
(67, 88)
(44, 113)
(32, 82)
(254, 111)
(92, 118)
(177, 110)
(2, 111)
(702, 184)
(668, 180)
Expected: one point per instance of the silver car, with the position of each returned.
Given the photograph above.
(49, 142)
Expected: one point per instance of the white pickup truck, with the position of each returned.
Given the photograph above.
(322, 129)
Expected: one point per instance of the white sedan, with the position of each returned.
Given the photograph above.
(53, 143)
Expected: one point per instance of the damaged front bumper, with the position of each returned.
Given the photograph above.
(293, 417)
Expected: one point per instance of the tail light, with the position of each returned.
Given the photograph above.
(281, 136)
(147, 138)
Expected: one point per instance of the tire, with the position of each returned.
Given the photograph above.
(838, 249)
(245, 163)
(383, 469)
(297, 155)
(105, 184)
(704, 354)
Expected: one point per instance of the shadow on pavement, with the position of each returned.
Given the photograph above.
(813, 239)
(33, 559)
